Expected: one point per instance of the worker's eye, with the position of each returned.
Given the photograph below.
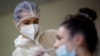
(35, 22)
(26, 22)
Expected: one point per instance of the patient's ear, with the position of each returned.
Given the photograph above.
(79, 39)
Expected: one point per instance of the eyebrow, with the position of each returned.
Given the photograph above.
(25, 20)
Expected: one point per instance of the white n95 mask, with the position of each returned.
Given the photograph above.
(30, 30)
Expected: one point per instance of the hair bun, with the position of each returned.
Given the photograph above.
(89, 12)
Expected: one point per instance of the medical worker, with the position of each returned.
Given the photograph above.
(33, 41)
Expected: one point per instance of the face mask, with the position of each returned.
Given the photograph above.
(30, 30)
(63, 51)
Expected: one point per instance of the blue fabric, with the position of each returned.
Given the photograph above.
(63, 51)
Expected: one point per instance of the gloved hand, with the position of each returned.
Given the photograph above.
(21, 41)
(37, 51)
(26, 47)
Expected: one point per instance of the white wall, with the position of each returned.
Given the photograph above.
(52, 14)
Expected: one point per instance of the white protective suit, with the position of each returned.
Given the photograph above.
(27, 47)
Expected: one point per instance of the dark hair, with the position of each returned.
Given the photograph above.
(83, 23)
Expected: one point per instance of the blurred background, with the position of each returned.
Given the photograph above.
(52, 14)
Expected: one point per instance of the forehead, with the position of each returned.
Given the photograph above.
(27, 16)
(62, 31)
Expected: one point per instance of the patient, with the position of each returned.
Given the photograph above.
(77, 35)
